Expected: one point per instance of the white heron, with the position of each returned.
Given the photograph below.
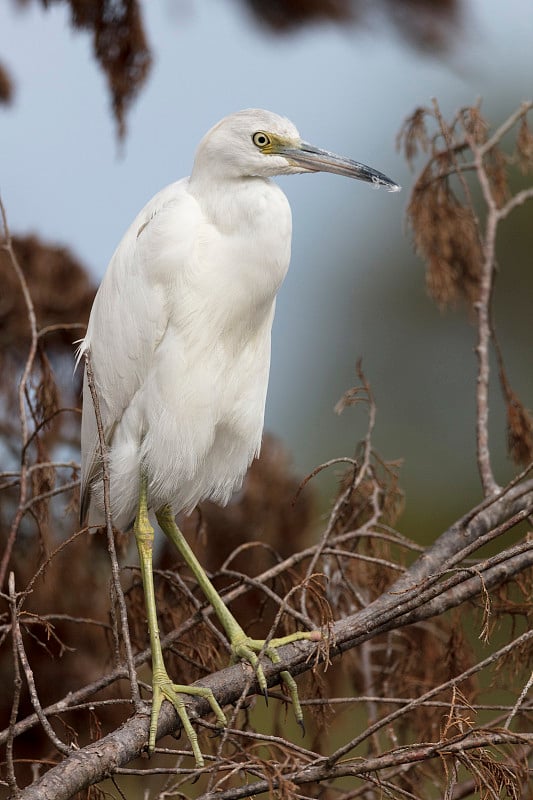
(179, 344)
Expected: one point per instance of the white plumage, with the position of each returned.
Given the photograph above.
(179, 337)
(179, 333)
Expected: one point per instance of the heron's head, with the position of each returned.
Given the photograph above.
(258, 143)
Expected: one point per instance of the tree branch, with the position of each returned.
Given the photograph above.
(402, 604)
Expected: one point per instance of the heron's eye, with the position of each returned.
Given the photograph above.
(260, 139)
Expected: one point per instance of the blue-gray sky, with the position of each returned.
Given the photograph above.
(348, 89)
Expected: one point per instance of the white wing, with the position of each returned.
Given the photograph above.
(130, 315)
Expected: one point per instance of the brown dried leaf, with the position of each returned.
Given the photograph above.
(513, 664)
(496, 168)
(515, 598)
(73, 502)
(474, 124)
(428, 25)
(120, 46)
(413, 137)
(446, 236)
(492, 778)
(6, 86)
(95, 726)
(43, 480)
(47, 394)
(314, 685)
(524, 145)
(519, 430)
(292, 14)
(351, 397)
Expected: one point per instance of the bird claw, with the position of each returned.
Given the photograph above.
(246, 648)
(164, 689)
(265, 695)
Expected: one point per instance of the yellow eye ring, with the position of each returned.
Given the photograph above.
(261, 139)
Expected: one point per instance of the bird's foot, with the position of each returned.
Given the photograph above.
(243, 647)
(164, 689)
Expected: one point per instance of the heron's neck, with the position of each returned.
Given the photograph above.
(231, 203)
(246, 242)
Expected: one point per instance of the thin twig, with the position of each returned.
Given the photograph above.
(483, 309)
(516, 200)
(115, 569)
(17, 686)
(56, 741)
(505, 127)
(65, 487)
(520, 700)
(62, 326)
(32, 322)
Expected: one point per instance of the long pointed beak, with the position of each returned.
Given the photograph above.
(313, 159)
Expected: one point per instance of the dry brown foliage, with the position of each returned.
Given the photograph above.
(424, 24)
(61, 292)
(421, 685)
(6, 86)
(121, 47)
(457, 205)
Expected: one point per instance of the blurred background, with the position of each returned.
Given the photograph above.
(347, 74)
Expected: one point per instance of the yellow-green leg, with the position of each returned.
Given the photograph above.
(162, 686)
(242, 646)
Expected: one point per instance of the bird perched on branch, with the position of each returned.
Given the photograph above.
(179, 345)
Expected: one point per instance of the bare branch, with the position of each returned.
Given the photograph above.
(22, 390)
(115, 570)
(56, 741)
